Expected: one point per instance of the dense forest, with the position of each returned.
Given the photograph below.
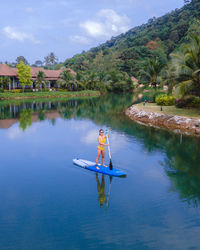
(132, 53)
(164, 52)
(159, 37)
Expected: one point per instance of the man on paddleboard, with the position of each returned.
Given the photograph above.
(101, 147)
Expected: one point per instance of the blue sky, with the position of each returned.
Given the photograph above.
(34, 28)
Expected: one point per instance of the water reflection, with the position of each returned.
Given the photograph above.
(102, 197)
(101, 190)
(25, 119)
(181, 163)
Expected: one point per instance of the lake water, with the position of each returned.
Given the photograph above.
(49, 203)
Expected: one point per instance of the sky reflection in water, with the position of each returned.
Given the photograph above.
(48, 203)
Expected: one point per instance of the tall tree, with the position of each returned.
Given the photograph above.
(40, 79)
(47, 61)
(53, 58)
(66, 79)
(150, 71)
(38, 63)
(5, 82)
(187, 64)
(23, 59)
(24, 74)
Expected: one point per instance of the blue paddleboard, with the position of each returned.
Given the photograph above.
(103, 170)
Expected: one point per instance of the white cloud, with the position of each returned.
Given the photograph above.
(90, 137)
(94, 29)
(13, 34)
(16, 132)
(80, 39)
(108, 23)
(117, 142)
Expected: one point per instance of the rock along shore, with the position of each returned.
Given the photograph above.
(178, 124)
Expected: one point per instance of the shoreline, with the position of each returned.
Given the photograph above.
(175, 123)
(21, 96)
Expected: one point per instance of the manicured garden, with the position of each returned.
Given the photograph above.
(170, 110)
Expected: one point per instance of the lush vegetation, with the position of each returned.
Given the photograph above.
(24, 74)
(154, 53)
(50, 62)
(47, 94)
(164, 51)
(165, 100)
(180, 162)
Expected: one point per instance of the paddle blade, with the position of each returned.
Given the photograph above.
(110, 165)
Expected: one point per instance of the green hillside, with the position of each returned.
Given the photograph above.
(127, 52)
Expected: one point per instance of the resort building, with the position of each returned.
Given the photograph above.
(50, 75)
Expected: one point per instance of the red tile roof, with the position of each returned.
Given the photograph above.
(5, 70)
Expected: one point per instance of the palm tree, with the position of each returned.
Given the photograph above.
(40, 82)
(5, 82)
(83, 81)
(187, 63)
(91, 81)
(151, 71)
(168, 77)
(66, 79)
(47, 61)
(52, 58)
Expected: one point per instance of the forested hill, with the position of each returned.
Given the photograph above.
(159, 37)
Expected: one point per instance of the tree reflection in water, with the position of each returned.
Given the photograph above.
(25, 119)
(181, 162)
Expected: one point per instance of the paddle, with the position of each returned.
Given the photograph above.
(108, 195)
(110, 164)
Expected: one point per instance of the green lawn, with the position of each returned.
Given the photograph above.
(53, 94)
(170, 110)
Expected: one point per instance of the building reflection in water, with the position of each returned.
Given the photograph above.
(181, 153)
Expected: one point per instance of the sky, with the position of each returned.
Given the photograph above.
(34, 28)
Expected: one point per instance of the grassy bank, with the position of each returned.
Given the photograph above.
(170, 110)
(44, 99)
(53, 94)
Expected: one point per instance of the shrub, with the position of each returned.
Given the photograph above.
(16, 90)
(46, 90)
(62, 90)
(157, 93)
(186, 101)
(196, 101)
(28, 90)
(165, 100)
(1, 90)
